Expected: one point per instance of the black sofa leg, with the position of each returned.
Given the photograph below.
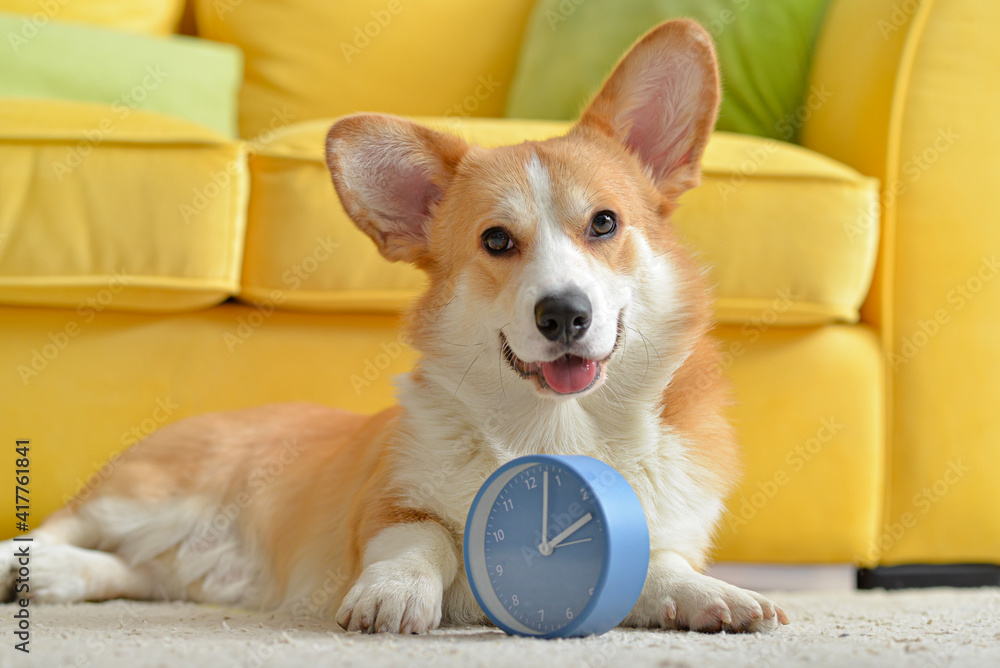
(911, 576)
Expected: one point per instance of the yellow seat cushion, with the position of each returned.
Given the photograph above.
(790, 235)
(151, 17)
(809, 414)
(808, 408)
(86, 398)
(307, 59)
(107, 207)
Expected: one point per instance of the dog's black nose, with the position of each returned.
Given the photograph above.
(564, 316)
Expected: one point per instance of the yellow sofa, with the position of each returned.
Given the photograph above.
(181, 271)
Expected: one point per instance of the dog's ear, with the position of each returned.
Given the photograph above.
(390, 174)
(661, 102)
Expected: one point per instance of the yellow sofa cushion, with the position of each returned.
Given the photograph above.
(154, 369)
(790, 235)
(307, 59)
(152, 17)
(809, 414)
(107, 207)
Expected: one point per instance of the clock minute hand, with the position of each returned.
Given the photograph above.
(545, 508)
(570, 530)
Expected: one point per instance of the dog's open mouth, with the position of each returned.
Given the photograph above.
(568, 374)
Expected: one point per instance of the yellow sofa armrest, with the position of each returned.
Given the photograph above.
(912, 100)
(856, 67)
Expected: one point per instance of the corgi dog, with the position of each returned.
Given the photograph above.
(562, 315)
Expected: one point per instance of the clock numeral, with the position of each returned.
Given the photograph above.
(583, 491)
(569, 614)
(508, 505)
(499, 569)
(498, 535)
(514, 600)
(542, 613)
(591, 591)
(530, 482)
(558, 481)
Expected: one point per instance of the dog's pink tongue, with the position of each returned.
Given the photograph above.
(569, 374)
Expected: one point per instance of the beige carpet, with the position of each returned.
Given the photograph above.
(929, 629)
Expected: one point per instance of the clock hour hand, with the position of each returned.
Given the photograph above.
(574, 542)
(570, 530)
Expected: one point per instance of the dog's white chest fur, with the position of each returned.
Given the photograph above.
(454, 447)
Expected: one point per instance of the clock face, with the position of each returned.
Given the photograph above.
(544, 547)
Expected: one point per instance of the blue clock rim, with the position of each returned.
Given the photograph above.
(563, 461)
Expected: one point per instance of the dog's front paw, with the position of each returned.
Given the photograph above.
(709, 605)
(393, 597)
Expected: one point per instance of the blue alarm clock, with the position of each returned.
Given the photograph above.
(556, 546)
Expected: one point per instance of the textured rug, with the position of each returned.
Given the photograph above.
(930, 629)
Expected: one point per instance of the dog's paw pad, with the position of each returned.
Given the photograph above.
(390, 598)
(715, 606)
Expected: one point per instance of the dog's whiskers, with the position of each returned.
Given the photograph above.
(646, 348)
(461, 345)
(647, 345)
(503, 390)
(454, 396)
(435, 307)
(659, 360)
(615, 395)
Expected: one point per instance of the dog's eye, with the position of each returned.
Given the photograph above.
(497, 241)
(604, 223)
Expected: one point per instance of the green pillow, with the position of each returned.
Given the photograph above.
(181, 76)
(764, 47)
